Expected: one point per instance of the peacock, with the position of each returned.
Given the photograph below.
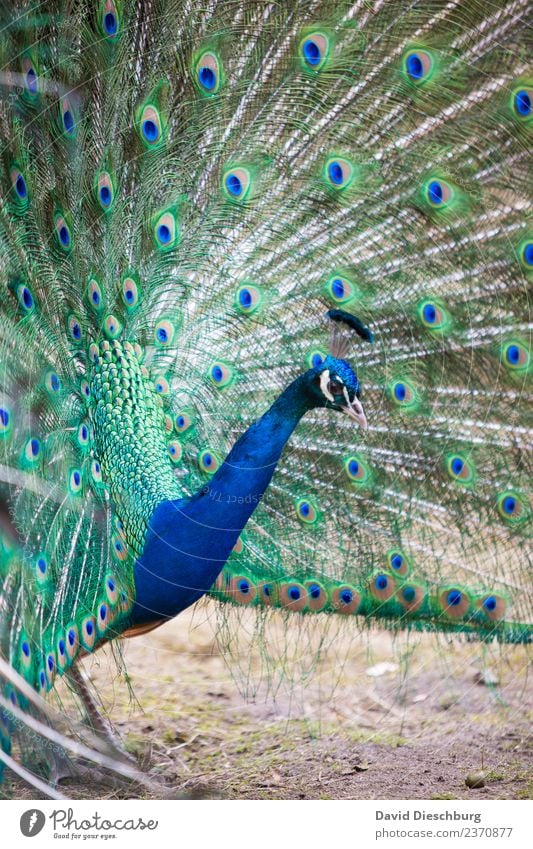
(265, 322)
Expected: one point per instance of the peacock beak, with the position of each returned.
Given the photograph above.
(356, 412)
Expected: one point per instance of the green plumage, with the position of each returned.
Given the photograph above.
(185, 192)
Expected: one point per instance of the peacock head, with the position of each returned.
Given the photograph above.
(335, 383)
(336, 386)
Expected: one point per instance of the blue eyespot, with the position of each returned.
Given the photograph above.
(317, 360)
(51, 663)
(245, 297)
(409, 594)
(208, 460)
(244, 587)
(35, 447)
(110, 23)
(42, 679)
(382, 582)
(314, 591)
(414, 66)
(163, 234)
(397, 561)
(162, 334)
(89, 628)
(150, 130)
(429, 313)
(522, 103)
(454, 598)
(4, 417)
(27, 298)
(54, 382)
(207, 78)
(435, 193)
(217, 374)
(266, 590)
(311, 52)
(305, 509)
(20, 187)
(527, 253)
(64, 236)
(105, 195)
(509, 505)
(68, 121)
(61, 647)
(294, 593)
(233, 185)
(337, 288)
(490, 603)
(513, 354)
(457, 465)
(71, 637)
(346, 596)
(353, 467)
(77, 478)
(335, 173)
(41, 565)
(31, 81)
(400, 391)
(25, 648)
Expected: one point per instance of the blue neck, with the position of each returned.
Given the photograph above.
(189, 541)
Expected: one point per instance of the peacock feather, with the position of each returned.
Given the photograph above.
(264, 318)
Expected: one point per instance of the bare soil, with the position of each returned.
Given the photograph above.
(380, 717)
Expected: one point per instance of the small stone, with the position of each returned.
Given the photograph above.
(475, 780)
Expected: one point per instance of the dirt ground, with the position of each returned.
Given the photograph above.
(379, 717)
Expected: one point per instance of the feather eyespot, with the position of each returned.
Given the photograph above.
(346, 600)
(31, 78)
(397, 562)
(460, 469)
(20, 187)
(237, 184)
(317, 597)
(292, 595)
(151, 126)
(105, 191)
(516, 356)
(102, 617)
(340, 289)
(433, 315)
(62, 232)
(357, 471)
(111, 589)
(161, 385)
(96, 472)
(6, 423)
(315, 358)
(25, 298)
(88, 632)
(164, 333)
(411, 597)
(94, 294)
(247, 298)
(110, 20)
(241, 590)
(165, 231)
(25, 652)
(220, 374)
(71, 641)
(306, 511)
(403, 394)
(382, 586)
(83, 436)
(41, 568)
(339, 173)
(314, 49)
(130, 292)
(208, 73)
(68, 118)
(182, 422)
(512, 507)
(119, 548)
(75, 482)
(418, 65)
(32, 450)
(174, 451)
(208, 461)
(493, 606)
(52, 382)
(438, 193)
(112, 327)
(521, 101)
(74, 329)
(454, 602)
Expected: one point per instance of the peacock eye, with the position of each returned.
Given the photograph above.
(335, 388)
